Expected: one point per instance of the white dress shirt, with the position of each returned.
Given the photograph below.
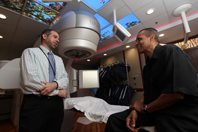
(34, 67)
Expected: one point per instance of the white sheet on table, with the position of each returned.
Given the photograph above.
(95, 109)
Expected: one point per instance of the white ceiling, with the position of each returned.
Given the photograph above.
(21, 32)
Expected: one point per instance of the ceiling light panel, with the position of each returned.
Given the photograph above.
(161, 35)
(2, 16)
(150, 11)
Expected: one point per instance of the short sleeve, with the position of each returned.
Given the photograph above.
(180, 74)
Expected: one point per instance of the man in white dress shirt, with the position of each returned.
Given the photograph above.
(42, 107)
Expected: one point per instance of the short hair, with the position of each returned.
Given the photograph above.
(47, 32)
(150, 31)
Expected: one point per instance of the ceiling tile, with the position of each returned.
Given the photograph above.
(120, 13)
(172, 34)
(31, 25)
(86, 8)
(12, 17)
(70, 6)
(194, 29)
(156, 4)
(10, 54)
(135, 29)
(177, 32)
(21, 43)
(157, 21)
(136, 4)
(173, 4)
(76, 6)
(5, 54)
(107, 10)
(193, 1)
(107, 43)
(7, 29)
(192, 10)
(5, 42)
(27, 35)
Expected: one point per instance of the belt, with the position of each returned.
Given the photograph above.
(41, 96)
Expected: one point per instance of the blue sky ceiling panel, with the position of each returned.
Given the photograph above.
(96, 4)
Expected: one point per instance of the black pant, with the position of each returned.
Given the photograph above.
(41, 114)
(117, 122)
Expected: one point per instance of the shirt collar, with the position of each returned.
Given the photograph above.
(45, 50)
(156, 53)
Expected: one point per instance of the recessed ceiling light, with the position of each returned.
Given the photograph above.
(105, 54)
(150, 11)
(127, 46)
(2, 16)
(88, 59)
(161, 35)
(1, 36)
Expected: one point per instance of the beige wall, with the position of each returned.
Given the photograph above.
(135, 75)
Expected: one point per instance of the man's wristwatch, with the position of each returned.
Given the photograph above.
(57, 84)
(145, 108)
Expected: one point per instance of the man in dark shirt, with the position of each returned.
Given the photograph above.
(170, 100)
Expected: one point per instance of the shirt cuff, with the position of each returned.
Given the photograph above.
(54, 93)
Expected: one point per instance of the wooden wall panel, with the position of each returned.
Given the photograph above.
(113, 58)
(193, 53)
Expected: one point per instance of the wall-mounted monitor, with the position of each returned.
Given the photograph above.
(88, 79)
(121, 33)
